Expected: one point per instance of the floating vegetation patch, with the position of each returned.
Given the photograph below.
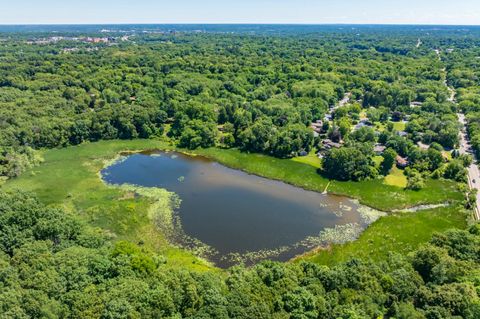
(252, 257)
(370, 215)
(115, 160)
(161, 211)
(181, 178)
(339, 234)
(338, 213)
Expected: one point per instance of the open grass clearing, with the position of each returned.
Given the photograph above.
(311, 159)
(396, 178)
(399, 126)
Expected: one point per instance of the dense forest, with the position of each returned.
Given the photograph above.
(257, 93)
(361, 103)
(52, 265)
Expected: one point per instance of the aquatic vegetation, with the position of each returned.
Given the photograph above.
(339, 234)
(117, 159)
(420, 208)
(370, 215)
(162, 209)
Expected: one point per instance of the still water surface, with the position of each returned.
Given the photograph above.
(232, 211)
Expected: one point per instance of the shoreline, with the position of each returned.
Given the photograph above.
(248, 255)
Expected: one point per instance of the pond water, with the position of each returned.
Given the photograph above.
(238, 214)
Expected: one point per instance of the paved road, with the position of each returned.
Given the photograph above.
(473, 171)
(419, 43)
(340, 103)
(465, 147)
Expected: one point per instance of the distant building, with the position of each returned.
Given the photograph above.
(423, 146)
(362, 123)
(317, 126)
(416, 104)
(401, 162)
(379, 149)
(329, 144)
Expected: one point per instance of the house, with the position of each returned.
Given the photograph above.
(379, 149)
(402, 133)
(329, 144)
(302, 153)
(423, 146)
(401, 161)
(317, 126)
(361, 123)
(416, 104)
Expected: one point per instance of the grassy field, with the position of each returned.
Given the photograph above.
(69, 178)
(397, 233)
(399, 126)
(311, 159)
(396, 178)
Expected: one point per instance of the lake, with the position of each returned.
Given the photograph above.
(242, 217)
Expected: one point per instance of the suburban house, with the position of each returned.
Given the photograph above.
(379, 148)
(402, 162)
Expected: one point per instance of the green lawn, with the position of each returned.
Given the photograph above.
(399, 126)
(311, 159)
(397, 233)
(378, 160)
(396, 178)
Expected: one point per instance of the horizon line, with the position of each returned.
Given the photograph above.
(240, 23)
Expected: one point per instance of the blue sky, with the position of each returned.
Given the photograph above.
(240, 11)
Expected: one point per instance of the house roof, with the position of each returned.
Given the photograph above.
(401, 161)
(379, 148)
